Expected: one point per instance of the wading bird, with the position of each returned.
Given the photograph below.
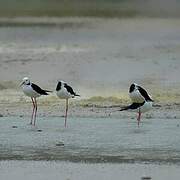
(33, 91)
(64, 91)
(141, 100)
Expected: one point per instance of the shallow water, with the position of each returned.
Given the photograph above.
(90, 140)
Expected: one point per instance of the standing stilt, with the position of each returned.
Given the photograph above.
(64, 91)
(33, 91)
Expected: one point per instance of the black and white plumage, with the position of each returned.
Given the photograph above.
(64, 91)
(33, 91)
(141, 100)
(138, 94)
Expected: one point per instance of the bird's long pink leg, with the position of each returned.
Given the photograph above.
(33, 111)
(65, 123)
(139, 117)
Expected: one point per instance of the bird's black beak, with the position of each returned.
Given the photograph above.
(21, 84)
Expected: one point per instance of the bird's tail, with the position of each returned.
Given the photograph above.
(76, 95)
(132, 106)
(48, 91)
(124, 108)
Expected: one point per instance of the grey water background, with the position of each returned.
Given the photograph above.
(93, 140)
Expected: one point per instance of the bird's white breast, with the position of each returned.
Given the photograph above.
(136, 97)
(146, 106)
(28, 91)
(63, 93)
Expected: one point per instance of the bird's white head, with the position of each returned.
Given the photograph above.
(25, 81)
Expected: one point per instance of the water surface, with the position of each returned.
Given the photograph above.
(91, 140)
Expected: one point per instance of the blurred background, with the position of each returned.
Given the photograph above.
(100, 8)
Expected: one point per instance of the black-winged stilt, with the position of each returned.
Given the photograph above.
(141, 100)
(64, 91)
(33, 91)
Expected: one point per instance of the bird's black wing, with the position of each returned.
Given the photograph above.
(39, 90)
(132, 106)
(144, 93)
(70, 90)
